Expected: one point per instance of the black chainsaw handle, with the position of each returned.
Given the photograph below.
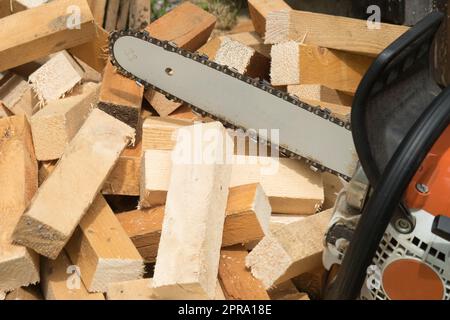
(395, 60)
(387, 195)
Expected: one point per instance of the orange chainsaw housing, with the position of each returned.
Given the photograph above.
(434, 173)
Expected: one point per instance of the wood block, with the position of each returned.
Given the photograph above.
(247, 219)
(102, 249)
(125, 178)
(86, 162)
(339, 103)
(61, 282)
(93, 52)
(281, 220)
(243, 58)
(19, 266)
(38, 32)
(8, 7)
(98, 8)
(189, 27)
(18, 97)
(290, 251)
(55, 125)
(56, 77)
(189, 250)
(120, 97)
(260, 9)
(160, 132)
(131, 290)
(25, 293)
(112, 11)
(122, 18)
(328, 31)
(291, 186)
(237, 282)
(140, 12)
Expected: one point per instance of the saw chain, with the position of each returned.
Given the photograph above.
(258, 83)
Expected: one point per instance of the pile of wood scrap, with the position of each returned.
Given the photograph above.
(94, 204)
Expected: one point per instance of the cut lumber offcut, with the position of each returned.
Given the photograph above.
(8, 7)
(45, 169)
(159, 133)
(247, 220)
(260, 9)
(102, 249)
(60, 280)
(49, 222)
(328, 31)
(98, 8)
(131, 290)
(121, 97)
(55, 125)
(189, 27)
(112, 12)
(237, 282)
(56, 77)
(19, 266)
(18, 97)
(332, 68)
(140, 12)
(25, 293)
(292, 187)
(38, 32)
(243, 58)
(286, 291)
(191, 238)
(285, 64)
(125, 178)
(93, 52)
(280, 220)
(290, 251)
(122, 18)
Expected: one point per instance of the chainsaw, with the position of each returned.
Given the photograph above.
(385, 243)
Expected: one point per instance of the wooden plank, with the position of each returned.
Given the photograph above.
(140, 12)
(56, 77)
(25, 293)
(246, 220)
(334, 32)
(120, 97)
(55, 125)
(91, 154)
(122, 19)
(98, 8)
(19, 266)
(38, 32)
(8, 7)
(61, 282)
(339, 103)
(18, 97)
(102, 249)
(290, 251)
(291, 186)
(159, 133)
(189, 250)
(125, 178)
(112, 11)
(93, 52)
(131, 290)
(260, 9)
(237, 282)
(189, 27)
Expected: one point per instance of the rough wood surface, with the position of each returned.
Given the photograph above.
(189, 27)
(124, 11)
(291, 186)
(60, 281)
(55, 125)
(56, 77)
(19, 266)
(120, 97)
(131, 290)
(247, 220)
(18, 97)
(112, 11)
(140, 12)
(98, 10)
(286, 291)
(37, 32)
(330, 31)
(290, 251)
(102, 249)
(237, 281)
(160, 132)
(260, 9)
(86, 162)
(189, 249)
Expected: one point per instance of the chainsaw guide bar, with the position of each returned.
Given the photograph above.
(240, 102)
